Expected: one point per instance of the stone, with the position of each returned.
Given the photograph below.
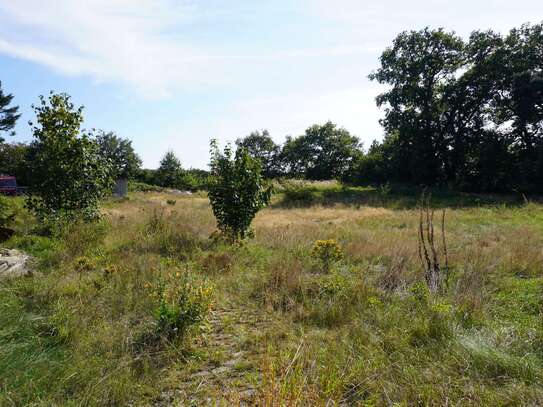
(14, 263)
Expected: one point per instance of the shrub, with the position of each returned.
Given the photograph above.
(237, 190)
(182, 303)
(297, 193)
(135, 186)
(171, 202)
(84, 264)
(327, 252)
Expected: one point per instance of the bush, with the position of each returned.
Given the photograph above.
(182, 303)
(327, 252)
(237, 191)
(135, 186)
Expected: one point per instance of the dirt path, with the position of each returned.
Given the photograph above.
(230, 375)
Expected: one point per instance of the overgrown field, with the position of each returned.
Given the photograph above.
(268, 322)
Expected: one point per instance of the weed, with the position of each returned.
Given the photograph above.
(327, 252)
(182, 303)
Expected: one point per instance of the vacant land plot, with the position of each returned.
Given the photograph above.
(283, 327)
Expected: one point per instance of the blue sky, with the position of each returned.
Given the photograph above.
(172, 74)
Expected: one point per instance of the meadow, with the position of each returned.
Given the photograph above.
(272, 324)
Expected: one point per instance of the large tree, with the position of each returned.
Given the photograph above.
(261, 146)
(119, 152)
(468, 114)
(418, 66)
(8, 114)
(323, 152)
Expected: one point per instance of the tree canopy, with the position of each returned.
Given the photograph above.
(68, 175)
(170, 171)
(119, 152)
(261, 146)
(465, 113)
(8, 114)
(323, 152)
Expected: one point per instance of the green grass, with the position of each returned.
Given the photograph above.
(284, 330)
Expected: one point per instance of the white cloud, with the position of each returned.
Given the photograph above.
(129, 41)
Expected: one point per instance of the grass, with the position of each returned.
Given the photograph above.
(283, 329)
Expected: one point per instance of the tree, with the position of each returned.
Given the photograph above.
(14, 161)
(466, 114)
(170, 170)
(378, 166)
(8, 115)
(120, 153)
(417, 66)
(323, 152)
(237, 190)
(261, 146)
(68, 175)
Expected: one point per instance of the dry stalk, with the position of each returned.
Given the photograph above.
(435, 274)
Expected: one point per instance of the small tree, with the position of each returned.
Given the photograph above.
(237, 190)
(170, 170)
(68, 176)
(8, 115)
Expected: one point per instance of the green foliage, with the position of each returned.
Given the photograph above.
(182, 302)
(327, 252)
(296, 193)
(8, 114)
(261, 146)
(135, 186)
(84, 264)
(237, 190)
(170, 171)
(194, 179)
(14, 161)
(7, 214)
(464, 113)
(119, 152)
(322, 153)
(67, 172)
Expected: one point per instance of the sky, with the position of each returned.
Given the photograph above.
(173, 74)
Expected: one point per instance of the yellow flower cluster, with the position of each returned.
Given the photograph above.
(327, 250)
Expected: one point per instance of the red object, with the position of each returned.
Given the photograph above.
(8, 185)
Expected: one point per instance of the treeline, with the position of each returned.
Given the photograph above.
(467, 114)
(462, 114)
(171, 174)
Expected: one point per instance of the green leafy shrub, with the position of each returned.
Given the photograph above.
(182, 302)
(135, 186)
(297, 193)
(171, 202)
(327, 252)
(420, 293)
(237, 190)
(68, 174)
(433, 324)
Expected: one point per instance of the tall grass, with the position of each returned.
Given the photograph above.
(365, 331)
